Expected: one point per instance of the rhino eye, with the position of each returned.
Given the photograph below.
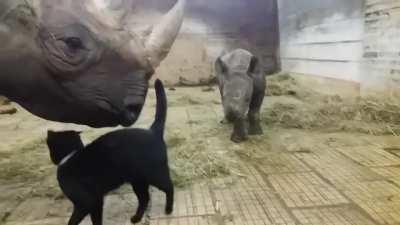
(74, 43)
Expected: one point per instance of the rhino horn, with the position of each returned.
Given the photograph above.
(152, 46)
(159, 42)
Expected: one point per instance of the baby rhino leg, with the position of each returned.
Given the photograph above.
(239, 130)
(239, 123)
(254, 114)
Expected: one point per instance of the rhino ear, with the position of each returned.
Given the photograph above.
(220, 66)
(254, 66)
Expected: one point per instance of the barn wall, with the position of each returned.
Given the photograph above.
(382, 47)
(323, 38)
(351, 40)
(212, 26)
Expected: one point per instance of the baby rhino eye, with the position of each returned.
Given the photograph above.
(73, 43)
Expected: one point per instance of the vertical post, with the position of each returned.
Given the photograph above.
(276, 38)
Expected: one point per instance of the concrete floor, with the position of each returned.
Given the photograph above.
(304, 177)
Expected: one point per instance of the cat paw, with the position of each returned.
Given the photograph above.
(168, 210)
(136, 219)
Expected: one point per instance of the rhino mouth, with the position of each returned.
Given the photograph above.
(128, 120)
(115, 115)
(130, 115)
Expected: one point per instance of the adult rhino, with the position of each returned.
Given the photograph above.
(79, 61)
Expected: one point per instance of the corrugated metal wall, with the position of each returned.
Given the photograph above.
(352, 40)
(322, 38)
(382, 47)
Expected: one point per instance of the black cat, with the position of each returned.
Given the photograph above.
(134, 156)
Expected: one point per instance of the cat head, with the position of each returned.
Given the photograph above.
(62, 143)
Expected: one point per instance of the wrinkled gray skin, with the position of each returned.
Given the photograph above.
(242, 86)
(68, 61)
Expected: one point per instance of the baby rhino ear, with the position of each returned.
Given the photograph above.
(254, 66)
(220, 66)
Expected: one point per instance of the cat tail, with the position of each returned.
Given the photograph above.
(161, 109)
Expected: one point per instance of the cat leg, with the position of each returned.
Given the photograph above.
(142, 193)
(169, 192)
(83, 200)
(164, 183)
(96, 214)
(77, 216)
(170, 201)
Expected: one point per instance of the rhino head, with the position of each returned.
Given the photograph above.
(81, 62)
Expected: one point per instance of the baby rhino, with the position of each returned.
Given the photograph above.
(242, 87)
(134, 156)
